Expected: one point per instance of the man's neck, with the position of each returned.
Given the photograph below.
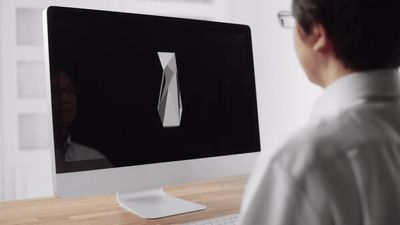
(332, 72)
(61, 139)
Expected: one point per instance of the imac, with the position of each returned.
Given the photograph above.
(139, 102)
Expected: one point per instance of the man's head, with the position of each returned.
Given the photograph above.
(64, 99)
(359, 34)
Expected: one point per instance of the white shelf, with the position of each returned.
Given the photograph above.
(29, 53)
(33, 131)
(29, 26)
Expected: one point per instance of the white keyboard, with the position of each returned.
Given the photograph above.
(223, 220)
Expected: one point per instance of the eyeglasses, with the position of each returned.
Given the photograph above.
(286, 19)
(67, 90)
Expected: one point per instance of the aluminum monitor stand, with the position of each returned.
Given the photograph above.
(155, 203)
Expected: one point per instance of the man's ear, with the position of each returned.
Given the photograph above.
(321, 42)
(317, 38)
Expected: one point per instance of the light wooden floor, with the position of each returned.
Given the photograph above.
(221, 196)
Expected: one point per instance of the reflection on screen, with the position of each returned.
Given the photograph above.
(116, 104)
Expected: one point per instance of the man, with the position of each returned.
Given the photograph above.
(64, 100)
(343, 168)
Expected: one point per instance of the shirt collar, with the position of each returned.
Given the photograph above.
(354, 87)
(67, 144)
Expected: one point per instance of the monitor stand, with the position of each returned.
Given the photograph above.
(155, 203)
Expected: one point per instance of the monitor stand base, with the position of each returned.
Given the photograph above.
(155, 203)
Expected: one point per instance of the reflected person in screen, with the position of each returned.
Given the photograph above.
(343, 167)
(65, 107)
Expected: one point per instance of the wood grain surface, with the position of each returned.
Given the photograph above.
(221, 196)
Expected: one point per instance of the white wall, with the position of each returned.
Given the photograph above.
(285, 96)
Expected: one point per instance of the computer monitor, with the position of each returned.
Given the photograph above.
(139, 102)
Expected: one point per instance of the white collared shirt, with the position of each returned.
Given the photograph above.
(78, 152)
(343, 168)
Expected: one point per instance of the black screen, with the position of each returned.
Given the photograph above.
(108, 62)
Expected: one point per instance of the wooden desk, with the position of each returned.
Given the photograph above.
(222, 197)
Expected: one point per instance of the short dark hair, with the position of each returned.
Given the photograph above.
(69, 68)
(365, 34)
